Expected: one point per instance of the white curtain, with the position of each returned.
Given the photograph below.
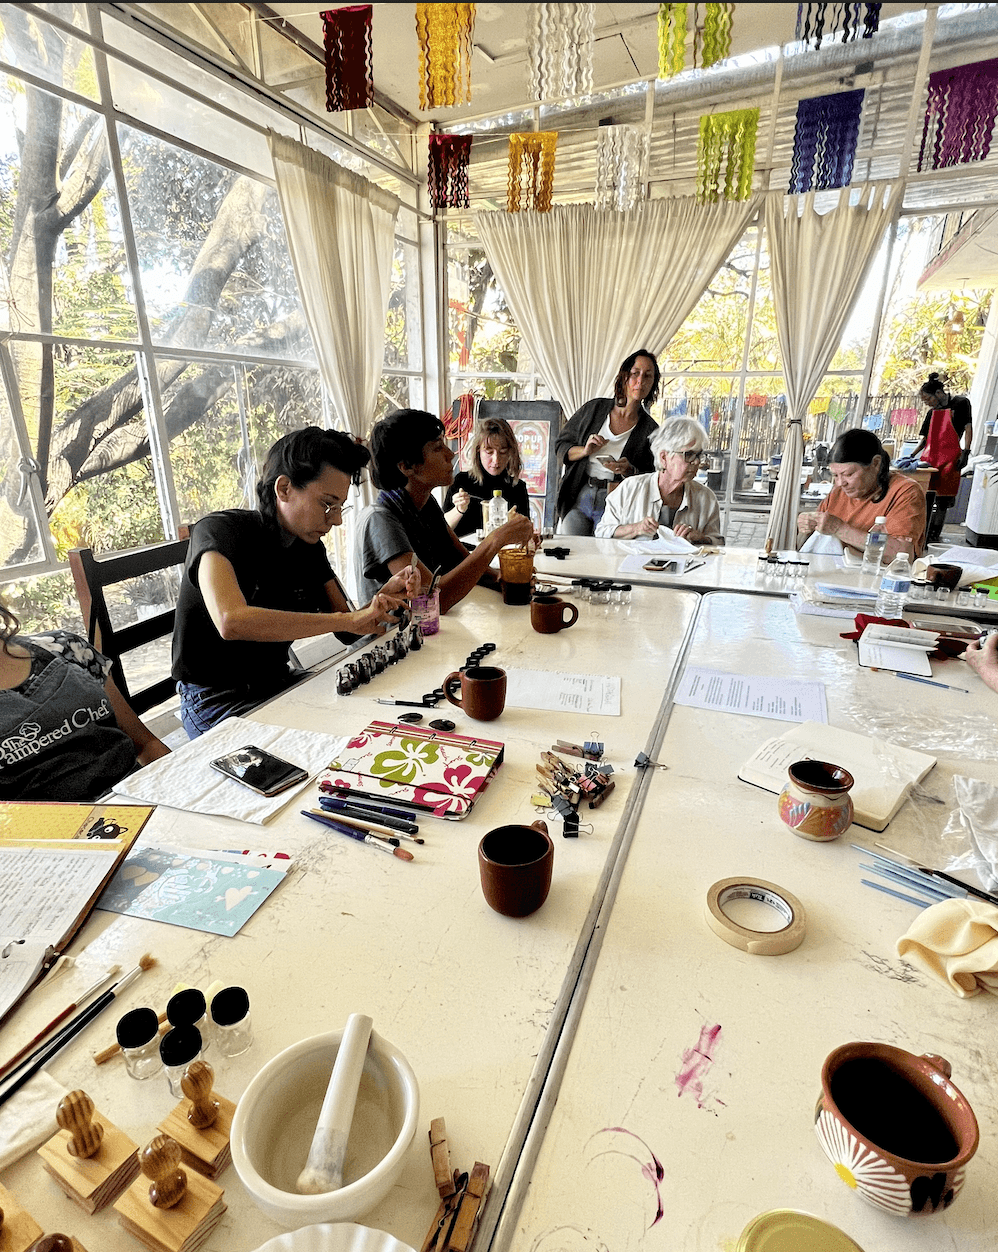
(341, 233)
(819, 262)
(587, 287)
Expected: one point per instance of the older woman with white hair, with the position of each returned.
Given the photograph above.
(671, 496)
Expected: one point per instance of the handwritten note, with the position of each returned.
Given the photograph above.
(785, 699)
(598, 694)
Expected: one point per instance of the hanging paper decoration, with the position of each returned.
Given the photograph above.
(621, 156)
(715, 40)
(728, 139)
(447, 175)
(671, 39)
(346, 36)
(825, 141)
(444, 32)
(560, 50)
(711, 40)
(531, 171)
(959, 115)
(850, 19)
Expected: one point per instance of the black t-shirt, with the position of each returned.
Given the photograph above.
(272, 574)
(514, 495)
(960, 416)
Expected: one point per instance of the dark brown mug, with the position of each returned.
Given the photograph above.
(483, 691)
(944, 575)
(547, 614)
(515, 863)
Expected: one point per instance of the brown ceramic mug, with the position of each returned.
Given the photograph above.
(895, 1128)
(515, 863)
(547, 614)
(944, 575)
(483, 691)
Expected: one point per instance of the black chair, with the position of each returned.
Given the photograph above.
(93, 575)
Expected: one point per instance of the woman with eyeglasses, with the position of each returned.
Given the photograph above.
(605, 442)
(257, 579)
(670, 497)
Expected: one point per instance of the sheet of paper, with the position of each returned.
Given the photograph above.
(759, 695)
(598, 694)
(967, 556)
(39, 891)
(906, 660)
(201, 891)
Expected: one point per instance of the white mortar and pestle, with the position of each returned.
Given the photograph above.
(321, 1132)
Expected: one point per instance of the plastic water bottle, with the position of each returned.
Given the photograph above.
(498, 511)
(873, 550)
(894, 587)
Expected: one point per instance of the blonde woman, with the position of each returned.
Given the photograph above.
(494, 465)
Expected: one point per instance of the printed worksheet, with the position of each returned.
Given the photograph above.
(598, 694)
(758, 695)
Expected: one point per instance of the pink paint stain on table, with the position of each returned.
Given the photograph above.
(696, 1064)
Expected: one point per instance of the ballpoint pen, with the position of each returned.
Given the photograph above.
(931, 682)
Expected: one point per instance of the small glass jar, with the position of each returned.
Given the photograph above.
(919, 587)
(600, 593)
(963, 596)
(138, 1037)
(942, 595)
(230, 1013)
(621, 593)
(982, 600)
(179, 1048)
(188, 1008)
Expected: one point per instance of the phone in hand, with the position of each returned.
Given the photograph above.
(604, 460)
(261, 771)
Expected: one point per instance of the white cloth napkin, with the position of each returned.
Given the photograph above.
(666, 543)
(823, 545)
(185, 780)
(28, 1118)
(956, 941)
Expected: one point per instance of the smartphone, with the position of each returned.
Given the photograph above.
(666, 564)
(261, 771)
(604, 460)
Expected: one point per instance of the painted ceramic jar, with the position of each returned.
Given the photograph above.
(815, 803)
(895, 1128)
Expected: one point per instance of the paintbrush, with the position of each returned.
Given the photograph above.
(42, 1055)
(59, 1017)
(979, 892)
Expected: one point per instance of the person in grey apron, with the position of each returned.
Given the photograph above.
(66, 733)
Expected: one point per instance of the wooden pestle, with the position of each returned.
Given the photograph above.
(324, 1168)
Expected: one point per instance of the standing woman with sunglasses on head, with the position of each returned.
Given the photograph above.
(671, 497)
(257, 579)
(605, 442)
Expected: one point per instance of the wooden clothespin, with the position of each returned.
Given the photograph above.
(570, 749)
(461, 1197)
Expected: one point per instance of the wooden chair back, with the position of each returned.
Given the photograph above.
(93, 575)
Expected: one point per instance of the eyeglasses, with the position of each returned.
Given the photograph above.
(336, 508)
(693, 458)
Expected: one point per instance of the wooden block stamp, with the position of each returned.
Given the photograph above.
(90, 1158)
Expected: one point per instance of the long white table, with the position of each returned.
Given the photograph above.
(687, 1051)
(728, 569)
(474, 1000)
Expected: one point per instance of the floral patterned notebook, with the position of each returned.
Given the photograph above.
(401, 762)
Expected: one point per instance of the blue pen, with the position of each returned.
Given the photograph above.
(922, 904)
(931, 682)
(388, 817)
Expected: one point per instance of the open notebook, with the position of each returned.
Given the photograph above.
(884, 772)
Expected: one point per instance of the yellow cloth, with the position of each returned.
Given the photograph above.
(956, 941)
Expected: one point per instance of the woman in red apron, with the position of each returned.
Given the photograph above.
(948, 425)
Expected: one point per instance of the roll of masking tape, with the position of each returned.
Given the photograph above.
(756, 942)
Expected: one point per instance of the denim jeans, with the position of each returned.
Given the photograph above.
(585, 513)
(202, 707)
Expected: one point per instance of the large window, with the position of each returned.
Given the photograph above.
(155, 342)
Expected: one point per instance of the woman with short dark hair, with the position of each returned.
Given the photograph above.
(605, 442)
(865, 488)
(257, 579)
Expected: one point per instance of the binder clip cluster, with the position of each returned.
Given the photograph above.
(563, 788)
(408, 638)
